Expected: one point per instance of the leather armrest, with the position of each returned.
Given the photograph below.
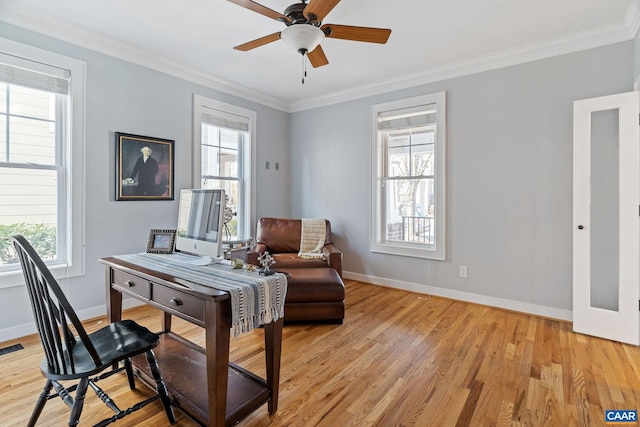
(256, 250)
(334, 257)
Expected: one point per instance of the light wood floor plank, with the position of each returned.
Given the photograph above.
(400, 359)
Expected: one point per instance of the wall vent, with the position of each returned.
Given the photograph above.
(10, 349)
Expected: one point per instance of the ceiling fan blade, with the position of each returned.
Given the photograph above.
(258, 42)
(317, 58)
(359, 34)
(319, 8)
(262, 10)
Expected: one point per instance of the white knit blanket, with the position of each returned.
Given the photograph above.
(255, 299)
(313, 235)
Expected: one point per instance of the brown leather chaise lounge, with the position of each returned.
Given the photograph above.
(315, 290)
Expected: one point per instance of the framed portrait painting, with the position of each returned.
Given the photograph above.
(144, 167)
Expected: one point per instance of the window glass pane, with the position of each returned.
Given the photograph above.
(220, 153)
(25, 101)
(29, 207)
(210, 165)
(410, 153)
(3, 97)
(398, 153)
(31, 141)
(229, 138)
(409, 210)
(210, 134)
(398, 140)
(3, 138)
(422, 160)
(229, 163)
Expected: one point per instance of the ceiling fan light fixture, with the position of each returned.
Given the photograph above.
(302, 37)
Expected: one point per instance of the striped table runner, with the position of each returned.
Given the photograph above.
(255, 299)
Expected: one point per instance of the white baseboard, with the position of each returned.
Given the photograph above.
(538, 310)
(30, 328)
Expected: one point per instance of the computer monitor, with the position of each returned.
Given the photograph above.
(200, 224)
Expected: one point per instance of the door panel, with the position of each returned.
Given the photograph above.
(606, 203)
(604, 231)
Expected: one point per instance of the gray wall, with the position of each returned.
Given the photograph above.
(509, 177)
(124, 97)
(636, 62)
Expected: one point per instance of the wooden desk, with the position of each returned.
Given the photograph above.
(188, 369)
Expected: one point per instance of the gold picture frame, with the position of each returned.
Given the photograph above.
(144, 167)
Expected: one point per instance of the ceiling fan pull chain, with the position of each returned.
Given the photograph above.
(304, 67)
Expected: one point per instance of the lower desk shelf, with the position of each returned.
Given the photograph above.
(183, 364)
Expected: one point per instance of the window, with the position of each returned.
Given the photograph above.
(408, 177)
(41, 155)
(223, 153)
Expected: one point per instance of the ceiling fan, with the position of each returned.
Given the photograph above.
(305, 30)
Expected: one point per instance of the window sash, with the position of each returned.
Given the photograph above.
(218, 152)
(415, 159)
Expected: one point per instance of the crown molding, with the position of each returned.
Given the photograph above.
(38, 22)
(571, 43)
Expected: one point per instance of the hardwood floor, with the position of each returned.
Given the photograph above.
(400, 359)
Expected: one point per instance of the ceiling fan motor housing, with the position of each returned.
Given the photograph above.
(296, 15)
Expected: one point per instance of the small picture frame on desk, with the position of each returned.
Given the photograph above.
(161, 241)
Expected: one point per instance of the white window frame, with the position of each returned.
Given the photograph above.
(378, 237)
(72, 194)
(248, 153)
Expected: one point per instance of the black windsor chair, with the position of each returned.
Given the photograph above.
(81, 358)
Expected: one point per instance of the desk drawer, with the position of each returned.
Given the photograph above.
(132, 284)
(179, 301)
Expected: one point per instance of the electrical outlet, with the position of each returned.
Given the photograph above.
(462, 271)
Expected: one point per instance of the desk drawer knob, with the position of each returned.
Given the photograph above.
(129, 283)
(175, 301)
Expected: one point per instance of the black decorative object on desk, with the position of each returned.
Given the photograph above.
(266, 261)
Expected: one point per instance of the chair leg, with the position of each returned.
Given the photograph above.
(42, 400)
(160, 386)
(129, 370)
(76, 409)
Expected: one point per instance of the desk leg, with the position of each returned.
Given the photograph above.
(166, 322)
(273, 352)
(217, 337)
(114, 300)
(114, 303)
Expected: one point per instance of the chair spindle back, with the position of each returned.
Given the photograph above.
(52, 311)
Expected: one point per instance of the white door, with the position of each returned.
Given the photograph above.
(606, 217)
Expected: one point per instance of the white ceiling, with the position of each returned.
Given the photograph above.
(430, 40)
